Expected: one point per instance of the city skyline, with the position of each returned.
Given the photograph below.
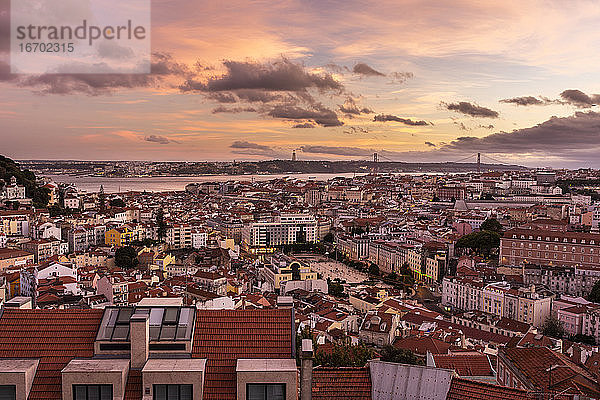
(411, 81)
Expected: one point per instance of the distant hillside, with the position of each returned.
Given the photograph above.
(9, 168)
(284, 166)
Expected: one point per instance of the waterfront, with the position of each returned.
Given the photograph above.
(172, 183)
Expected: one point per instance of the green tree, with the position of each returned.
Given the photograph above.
(162, 225)
(595, 292)
(102, 199)
(126, 257)
(491, 224)
(374, 269)
(117, 203)
(587, 339)
(328, 238)
(335, 287)
(401, 356)
(344, 356)
(553, 327)
(480, 242)
(405, 269)
(9, 168)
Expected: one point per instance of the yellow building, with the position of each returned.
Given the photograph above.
(121, 236)
(283, 268)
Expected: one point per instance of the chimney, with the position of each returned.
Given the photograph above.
(285, 302)
(306, 369)
(139, 332)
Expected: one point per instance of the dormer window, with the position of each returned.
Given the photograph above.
(265, 391)
(92, 392)
(8, 392)
(172, 392)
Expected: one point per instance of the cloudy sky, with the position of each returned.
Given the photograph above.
(412, 80)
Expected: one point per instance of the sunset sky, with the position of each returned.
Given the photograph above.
(412, 80)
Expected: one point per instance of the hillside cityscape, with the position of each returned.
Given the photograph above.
(299, 200)
(482, 281)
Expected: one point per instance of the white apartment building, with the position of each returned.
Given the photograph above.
(286, 229)
(179, 236)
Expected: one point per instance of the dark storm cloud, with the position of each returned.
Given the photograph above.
(364, 69)
(282, 75)
(233, 110)
(255, 95)
(430, 144)
(350, 107)
(224, 97)
(304, 125)
(250, 148)
(163, 65)
(159, 139)
(338, 151)
(90, 84)
(579, 99)
(318, 114)
(471, 109)
(578, 135)
(524, 101)
(406, 121)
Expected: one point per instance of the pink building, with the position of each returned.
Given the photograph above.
(572, 318)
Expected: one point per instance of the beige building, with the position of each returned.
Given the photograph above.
(14, 258)
(531, 305)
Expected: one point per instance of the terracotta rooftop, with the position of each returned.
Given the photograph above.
(224, 336)
(535, 363)
(469, 364)
(463, 389)
(341, 384)
(53, 337)
(422, 345)
(58, 336)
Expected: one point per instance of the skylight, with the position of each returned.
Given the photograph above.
(166, 323)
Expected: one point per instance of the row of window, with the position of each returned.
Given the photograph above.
(556, 239)
(254, 391)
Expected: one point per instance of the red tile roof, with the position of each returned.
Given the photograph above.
(341, 384)
(133, 387)
(223, 336)
(51, 336)
(463, 389)
(422, 345)
(469, 364)
(58, 336)
(552, 371)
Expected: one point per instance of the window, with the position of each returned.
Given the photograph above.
(265, 391)
(173, 392)
(8, 392)
(92, 392)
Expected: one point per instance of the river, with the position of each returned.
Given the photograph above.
(171, 183)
